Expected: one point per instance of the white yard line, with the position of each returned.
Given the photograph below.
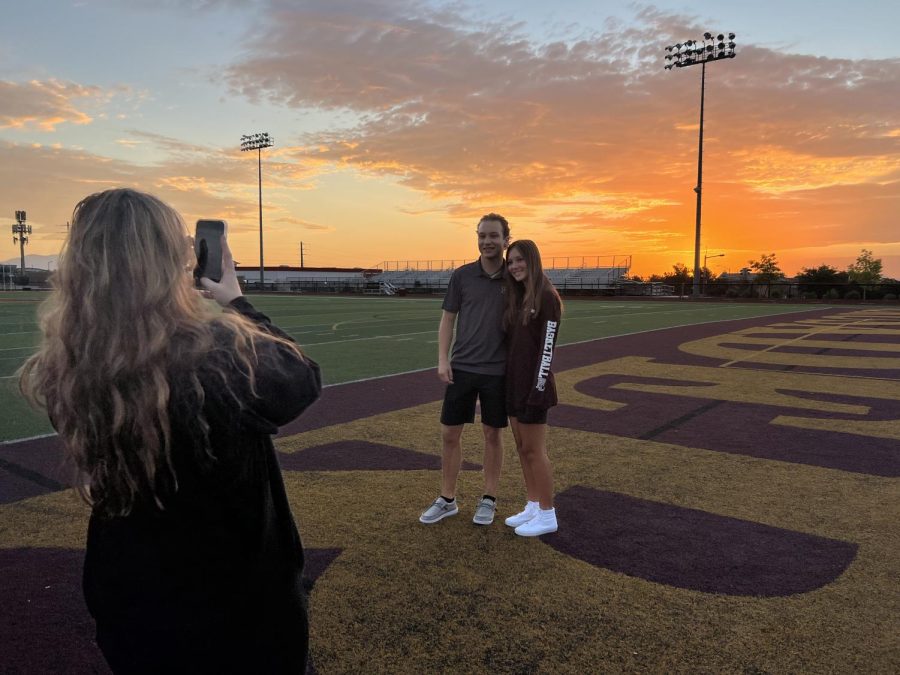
(362, 339)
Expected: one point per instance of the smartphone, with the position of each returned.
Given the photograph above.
(208, 248)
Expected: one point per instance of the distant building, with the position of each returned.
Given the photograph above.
(737, 277)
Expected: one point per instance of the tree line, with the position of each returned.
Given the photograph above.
(867, 270)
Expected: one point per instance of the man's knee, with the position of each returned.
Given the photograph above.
(528, 451)
(451, 434)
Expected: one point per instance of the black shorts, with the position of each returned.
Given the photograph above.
(530, 415)
(459, 399)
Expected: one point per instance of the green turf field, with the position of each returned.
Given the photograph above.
(358, 338)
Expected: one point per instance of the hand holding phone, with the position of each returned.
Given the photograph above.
(215, 264)
(208, 248)
(227, 289)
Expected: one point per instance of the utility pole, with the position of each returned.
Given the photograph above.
(301, 255)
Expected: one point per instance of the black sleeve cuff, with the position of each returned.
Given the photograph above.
(242, 304)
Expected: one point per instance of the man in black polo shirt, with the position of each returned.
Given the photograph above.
(475, 303)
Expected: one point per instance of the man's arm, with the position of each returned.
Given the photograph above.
(445, 337)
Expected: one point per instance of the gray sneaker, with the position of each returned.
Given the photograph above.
(439, 510)
(484, 512)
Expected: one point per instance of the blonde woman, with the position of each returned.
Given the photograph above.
(165, 409)
(532, 323)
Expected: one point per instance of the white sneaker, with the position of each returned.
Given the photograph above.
(543, 523)
(523, 516)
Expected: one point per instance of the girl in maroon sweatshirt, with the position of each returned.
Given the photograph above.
(532, 324)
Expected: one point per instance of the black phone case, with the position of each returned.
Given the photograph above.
(209, 254)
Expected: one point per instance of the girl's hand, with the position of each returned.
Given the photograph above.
(228, 289)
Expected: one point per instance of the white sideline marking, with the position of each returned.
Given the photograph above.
(30, 438)
(374, 337)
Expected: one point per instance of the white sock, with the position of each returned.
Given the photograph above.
(533, 505)
(546, 513)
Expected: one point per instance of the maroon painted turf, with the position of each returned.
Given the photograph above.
(692, 549)
(362, 456)
(45, 626)
(699, 423)
(315, 562)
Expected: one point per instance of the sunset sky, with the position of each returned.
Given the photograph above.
(397, 123)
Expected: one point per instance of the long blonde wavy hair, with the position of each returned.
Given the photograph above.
(122, 319)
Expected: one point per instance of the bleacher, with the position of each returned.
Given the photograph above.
(409, 278)
(595, 275)
(587, 277)
(428, 276)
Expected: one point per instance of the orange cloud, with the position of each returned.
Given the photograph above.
(305, 224)
(776, 170)
(44, 105)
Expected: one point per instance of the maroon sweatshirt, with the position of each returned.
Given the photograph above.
(529, 382)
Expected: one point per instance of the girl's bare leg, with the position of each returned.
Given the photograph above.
(531, 442)
(530, 491)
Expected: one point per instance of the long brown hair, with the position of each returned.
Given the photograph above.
(122, 319)
(523, 299)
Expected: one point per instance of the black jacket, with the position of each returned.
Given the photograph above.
(212, 582)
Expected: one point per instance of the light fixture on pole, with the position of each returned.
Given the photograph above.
(692, 53)
(20, 235)
(258, 142)
(706, 269)
(706, 257)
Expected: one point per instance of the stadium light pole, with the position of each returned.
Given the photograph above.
(258, 142)
(692, 53)
(20, 234)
